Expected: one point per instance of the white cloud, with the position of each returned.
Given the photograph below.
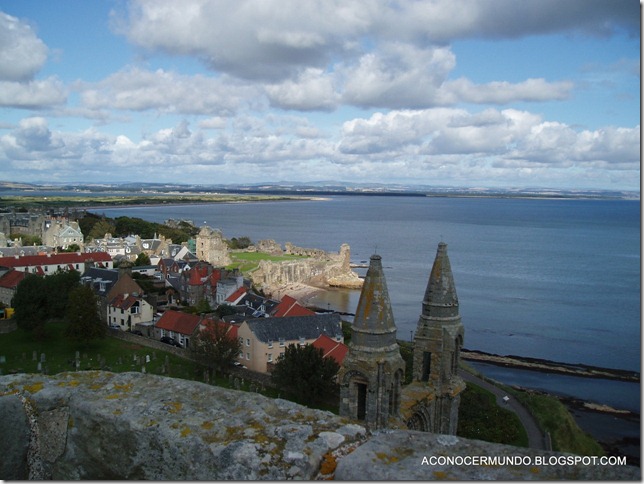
(138, 90)
(22, 54)
(312, 90)
(32, 94)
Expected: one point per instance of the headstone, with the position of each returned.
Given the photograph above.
(3, 359)
(39, 366)
(143, 369)
(42, 357)
(147, 358)
(35, 356)
(236, 383)
(163, 369)
(78, 355)
(77, 365)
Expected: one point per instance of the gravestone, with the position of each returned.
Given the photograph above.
(35, 356)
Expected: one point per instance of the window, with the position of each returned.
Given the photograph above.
(247, 341)
(302, 342)
(270, 357)
(270, 344)
(248, 356)
(282, 342)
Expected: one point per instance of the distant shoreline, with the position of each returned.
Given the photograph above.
(547, 366)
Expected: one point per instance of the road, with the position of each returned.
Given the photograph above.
(536, 439)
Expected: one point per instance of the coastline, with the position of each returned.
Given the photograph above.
(547, 366)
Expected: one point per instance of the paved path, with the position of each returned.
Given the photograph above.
(536, 439)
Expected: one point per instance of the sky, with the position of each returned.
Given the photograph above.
(476, 93)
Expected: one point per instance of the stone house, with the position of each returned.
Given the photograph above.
(264, 339)
(128, 310)
(9, 280)
(178, 325)
(62, 233)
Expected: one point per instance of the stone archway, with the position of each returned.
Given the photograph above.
(420, 420)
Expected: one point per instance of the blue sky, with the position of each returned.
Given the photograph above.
(480, 93)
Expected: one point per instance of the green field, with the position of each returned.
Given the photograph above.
(249, 261)
(554, 417)
(481, 418)
(95, 200)
(111, 354)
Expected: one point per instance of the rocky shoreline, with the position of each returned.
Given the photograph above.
(547, 366)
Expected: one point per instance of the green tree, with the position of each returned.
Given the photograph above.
(27, 239)
(304, 372)
(214, 347)
(142, 259)
(225, 310)
(57, 289)
(30, 304)
(100, 228)
(239, 243)
(83, 322)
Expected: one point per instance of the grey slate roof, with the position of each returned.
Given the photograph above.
(296, 327)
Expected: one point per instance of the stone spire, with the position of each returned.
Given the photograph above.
(440, 299)
(431, 401)
(373, 327)
(372, 372)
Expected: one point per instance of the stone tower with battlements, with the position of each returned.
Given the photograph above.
(430, 402)
(372, 372)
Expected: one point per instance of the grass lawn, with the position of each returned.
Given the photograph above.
(249, 261)
(555, 418)
(108, 353)
(117, 356)
(479, 417)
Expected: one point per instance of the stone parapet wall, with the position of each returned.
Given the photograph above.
(97, 425)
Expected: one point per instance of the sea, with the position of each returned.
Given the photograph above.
(557, 279)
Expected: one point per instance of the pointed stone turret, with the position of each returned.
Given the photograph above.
(373, 327)
(432, 400)
(372, 372)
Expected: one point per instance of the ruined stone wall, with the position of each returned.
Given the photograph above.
(327, 269)
(212, 248)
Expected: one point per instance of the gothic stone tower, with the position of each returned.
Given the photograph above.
(372, 372)
(431, 401)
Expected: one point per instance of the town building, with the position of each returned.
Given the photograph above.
(9, 280)
(51, 263)
(177, 325)
(265, 339)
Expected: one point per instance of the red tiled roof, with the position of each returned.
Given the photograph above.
(11, 279)
(288, 306)
(64, 258)
(236, 295)
(122, 302)
(178, 322)
(195, 277)
(331, 348)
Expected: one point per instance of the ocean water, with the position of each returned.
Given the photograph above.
(553, 279)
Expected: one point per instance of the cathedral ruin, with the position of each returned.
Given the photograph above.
(373, 371)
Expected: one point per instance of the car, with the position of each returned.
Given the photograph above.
(137, 332)
(115, 326)
(170, 341)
